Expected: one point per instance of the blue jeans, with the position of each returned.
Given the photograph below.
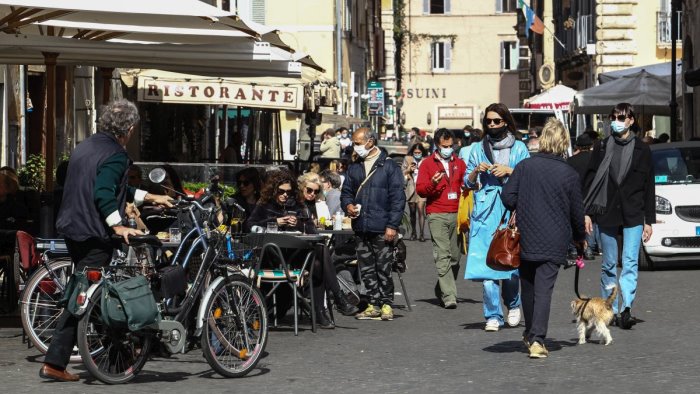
(631, 241)
(492, 297)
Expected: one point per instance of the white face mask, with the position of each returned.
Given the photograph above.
(361, 150)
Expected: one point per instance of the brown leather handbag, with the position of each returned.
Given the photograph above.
(504, 251)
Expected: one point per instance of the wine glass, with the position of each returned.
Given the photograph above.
(304, 217)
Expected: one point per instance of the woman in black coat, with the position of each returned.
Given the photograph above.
(546, 192)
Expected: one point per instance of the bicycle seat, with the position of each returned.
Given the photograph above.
(135, 240)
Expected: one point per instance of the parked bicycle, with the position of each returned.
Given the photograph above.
(226, 317)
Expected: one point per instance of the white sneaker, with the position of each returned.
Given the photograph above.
(492, 325)
(513, 317)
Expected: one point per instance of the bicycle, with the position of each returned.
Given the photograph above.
(41, 292)
(230, 322)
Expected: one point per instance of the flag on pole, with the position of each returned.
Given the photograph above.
(532, 21)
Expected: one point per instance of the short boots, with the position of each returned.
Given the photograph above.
(324, 319)
(343, 305)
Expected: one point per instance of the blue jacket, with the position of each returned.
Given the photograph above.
(545, 191)
(382, 197)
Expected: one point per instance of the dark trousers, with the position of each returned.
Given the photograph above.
(536, 285)
(374, 257)
(324, 278)
(90, 253)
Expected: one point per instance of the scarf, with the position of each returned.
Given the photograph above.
(498, 152)
(596, 200)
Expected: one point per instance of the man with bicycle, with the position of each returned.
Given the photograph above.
(93, 209)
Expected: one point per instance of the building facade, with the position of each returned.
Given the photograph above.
(456, 58)
(589, 37)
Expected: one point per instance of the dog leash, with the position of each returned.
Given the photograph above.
(579, 264)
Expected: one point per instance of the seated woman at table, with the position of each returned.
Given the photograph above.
(277, 204)
(248, 184)
(310, 193)
(13, 214)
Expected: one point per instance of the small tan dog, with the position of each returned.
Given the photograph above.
(594, 313)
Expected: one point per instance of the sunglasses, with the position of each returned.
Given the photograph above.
(496, 121)
(284, 191)
(620, 118)
(314, 191)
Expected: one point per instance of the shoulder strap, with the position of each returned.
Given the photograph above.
(357, 193)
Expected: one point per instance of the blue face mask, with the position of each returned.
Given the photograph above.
(446, 152)
(417, 157)
(617, 127)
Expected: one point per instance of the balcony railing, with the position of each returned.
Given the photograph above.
(663, 28)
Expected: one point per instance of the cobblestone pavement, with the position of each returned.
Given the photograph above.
(432, 349)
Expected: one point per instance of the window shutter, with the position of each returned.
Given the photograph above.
(665, 6)
(258, 11)
(448, 55)
(499, 5)
(514, 55)
(448, 7)
(431, 61)
(503, 55)
(426, 6)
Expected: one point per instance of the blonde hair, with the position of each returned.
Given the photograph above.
(554, 138)
(309, 177)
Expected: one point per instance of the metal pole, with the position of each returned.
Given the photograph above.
(674, 34)
(339, 52)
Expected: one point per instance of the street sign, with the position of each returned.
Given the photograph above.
(376, 98)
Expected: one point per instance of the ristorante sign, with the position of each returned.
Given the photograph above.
(220, 92)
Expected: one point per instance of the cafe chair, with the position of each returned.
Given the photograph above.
(275, 268)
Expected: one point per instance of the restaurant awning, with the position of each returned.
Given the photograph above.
(239, 58)
(557, 97)
(25, 15)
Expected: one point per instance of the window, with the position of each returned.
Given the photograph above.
(436, 7)
(440, 56)
(509, 55)
(663, 23)
(504, 6)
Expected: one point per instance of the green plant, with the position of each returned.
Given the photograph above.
(229, 191)
(31, 175)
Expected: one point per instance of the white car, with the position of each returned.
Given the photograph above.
(676, 233)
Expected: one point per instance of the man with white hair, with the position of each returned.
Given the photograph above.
(93, 209)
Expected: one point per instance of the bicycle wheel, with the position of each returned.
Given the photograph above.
(112, 356)
(39, 311)
(235, 333)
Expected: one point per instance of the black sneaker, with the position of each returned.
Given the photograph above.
(626, 319)
(344, 306)
(588, 255)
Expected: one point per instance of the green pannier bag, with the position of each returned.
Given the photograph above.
(77, 283)
(129, 304)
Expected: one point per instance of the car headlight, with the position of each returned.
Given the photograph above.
(663, 206)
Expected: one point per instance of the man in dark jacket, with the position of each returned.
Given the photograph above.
(374, 198)
(92, 210)
(620, 193)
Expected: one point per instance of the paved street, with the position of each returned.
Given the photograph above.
(431, 349)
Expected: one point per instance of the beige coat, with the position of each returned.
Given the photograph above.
(330, 148)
